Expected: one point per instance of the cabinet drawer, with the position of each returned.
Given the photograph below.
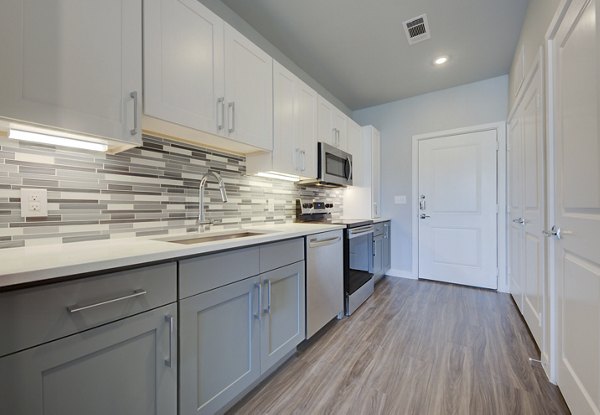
(207, 272)
(37, 315)
(281, 253)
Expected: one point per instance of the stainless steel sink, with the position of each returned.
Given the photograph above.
(197, 239)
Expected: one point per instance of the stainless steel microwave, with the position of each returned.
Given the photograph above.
(334, 167)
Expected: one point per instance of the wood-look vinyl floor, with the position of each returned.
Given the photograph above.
(415, 347)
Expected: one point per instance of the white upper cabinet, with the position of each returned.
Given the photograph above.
(73, 65)
(332, 125)
(202, 76)
(184, 75)
(248, 91)
(294, 128)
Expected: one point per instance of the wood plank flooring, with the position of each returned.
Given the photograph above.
(415, 347)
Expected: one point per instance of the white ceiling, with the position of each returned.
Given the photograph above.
(358, 51)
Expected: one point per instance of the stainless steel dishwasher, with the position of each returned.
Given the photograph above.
(324, 279)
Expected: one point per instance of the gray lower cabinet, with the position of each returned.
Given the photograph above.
(219, 346)
(387, 247)
(127, 367)
(230, 336)
(283, 319)
(378, 257)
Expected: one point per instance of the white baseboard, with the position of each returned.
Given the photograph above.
(401, 273)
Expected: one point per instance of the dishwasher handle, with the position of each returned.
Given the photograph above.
(316, 243)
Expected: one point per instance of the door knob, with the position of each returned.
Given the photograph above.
(556, 232)
(424, 216)
(520, 221)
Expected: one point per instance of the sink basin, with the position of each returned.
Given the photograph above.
(197, 239)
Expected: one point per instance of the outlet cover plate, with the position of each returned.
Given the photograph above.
(400, 200)
(34, 203)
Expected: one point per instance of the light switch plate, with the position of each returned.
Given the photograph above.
(400, 200)
(34, 203)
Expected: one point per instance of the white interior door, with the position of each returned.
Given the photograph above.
(576, 50)
(515, 211)
(458, 209)
(534, 209)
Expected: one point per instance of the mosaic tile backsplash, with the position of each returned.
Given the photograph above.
(149, 190)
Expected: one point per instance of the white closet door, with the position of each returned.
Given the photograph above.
(183, 64)
(515, 211)
(576, 50)
(248, 91)
(457, 228)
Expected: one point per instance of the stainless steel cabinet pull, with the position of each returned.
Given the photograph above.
(134, 95)
(231, 107)
(76, 308)
(424, 216)
(303, 159)
(259, 303)
(268, 308)
(221, 119)
(169, 319)
(315, 243)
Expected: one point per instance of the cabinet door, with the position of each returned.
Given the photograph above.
(183, 64)
(306, 128)
(125, 367)
(387, 247)
(326, 130)
(356, 147)
(377, 256)
(340, 123)
(219, 346)
(376, 174)
(287, 156)
(248, 91)
(283, 316)
(73, 65)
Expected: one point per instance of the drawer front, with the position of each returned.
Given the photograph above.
(37, 315)
(281, 253)
(207, 272)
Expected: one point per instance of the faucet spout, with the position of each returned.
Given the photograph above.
(203, 180)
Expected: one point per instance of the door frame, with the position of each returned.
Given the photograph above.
(500, 128)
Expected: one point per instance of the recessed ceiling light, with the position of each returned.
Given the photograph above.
(441, 60)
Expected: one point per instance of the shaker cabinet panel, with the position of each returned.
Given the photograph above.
(125, 367)
(184, 64)
(220, 346)
(283, 320)
(248, 91)
(73, 65)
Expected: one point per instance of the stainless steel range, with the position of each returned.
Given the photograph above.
(358, 250)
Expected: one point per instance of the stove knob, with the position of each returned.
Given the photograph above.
(310, 205)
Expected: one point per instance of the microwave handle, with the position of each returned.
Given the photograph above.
(348, 169)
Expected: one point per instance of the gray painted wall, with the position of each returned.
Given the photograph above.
(231, 17)
(537, 20)
(472, 104)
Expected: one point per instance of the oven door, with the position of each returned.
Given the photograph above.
(335, 165)
(358, 256)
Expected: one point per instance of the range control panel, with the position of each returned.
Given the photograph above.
(311, 207)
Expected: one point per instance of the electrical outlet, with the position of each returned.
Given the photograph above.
(34, 203)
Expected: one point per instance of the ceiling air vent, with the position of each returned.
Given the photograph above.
(417, 29)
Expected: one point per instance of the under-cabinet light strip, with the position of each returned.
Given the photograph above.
(55, 140)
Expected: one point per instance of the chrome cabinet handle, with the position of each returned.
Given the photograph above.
(76, 308)
(134, 95)
(231, 107)
(315, 243)
(259, 302)
(303, 159)
(171, 321)
(221, 119)
(424, 216)
(268, 308)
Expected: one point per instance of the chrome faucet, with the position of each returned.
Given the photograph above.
(202, 222)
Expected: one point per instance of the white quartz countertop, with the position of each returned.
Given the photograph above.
(38, 264)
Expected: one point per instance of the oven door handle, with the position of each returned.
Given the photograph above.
(363, 230)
